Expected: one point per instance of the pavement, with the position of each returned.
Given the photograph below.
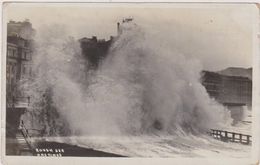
(19, 147)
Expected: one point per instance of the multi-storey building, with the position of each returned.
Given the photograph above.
(19, 57)
(234, 92)
(18, 67)
(228, 89)
(94, 50)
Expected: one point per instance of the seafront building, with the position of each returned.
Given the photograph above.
(234, 92)
(19, 56)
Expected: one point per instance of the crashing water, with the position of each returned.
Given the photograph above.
(144, 91)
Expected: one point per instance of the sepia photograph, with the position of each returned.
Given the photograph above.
(128, 80)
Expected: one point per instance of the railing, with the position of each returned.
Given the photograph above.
(22, 99)
(25, 134)
(16, 101)
(230, 136)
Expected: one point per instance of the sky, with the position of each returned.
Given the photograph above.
(220, 36)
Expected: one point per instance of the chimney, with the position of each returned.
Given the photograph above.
(118, 29)
(94, 38)
(111, 38)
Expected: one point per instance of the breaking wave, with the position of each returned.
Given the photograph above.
(144, 86)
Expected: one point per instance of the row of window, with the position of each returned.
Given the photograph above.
(11, 68)
(26, 55)
(13, 53)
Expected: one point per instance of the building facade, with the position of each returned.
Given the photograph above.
(22, 29)
(19, 57)
(228, 89)
(94, 50)
(234, 92)
(18, 67)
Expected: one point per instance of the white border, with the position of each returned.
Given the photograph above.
(151, 161)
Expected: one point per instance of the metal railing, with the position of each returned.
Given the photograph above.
(25, 134)
(22, 99)
(227, 136)
(14, 102)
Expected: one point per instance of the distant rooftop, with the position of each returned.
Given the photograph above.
(21, 29)
(237, 71)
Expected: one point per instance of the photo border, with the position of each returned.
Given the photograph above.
(83, 160)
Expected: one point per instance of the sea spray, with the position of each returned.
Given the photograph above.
(144, 86)
(58, 70)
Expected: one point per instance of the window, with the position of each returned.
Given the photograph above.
(7, 69)
(24, 54)
(28, 56)
(13, 68)
(30, 71)
(9, 52)
(14, 53)
(24, 70)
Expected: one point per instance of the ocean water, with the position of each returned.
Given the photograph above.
(161, 146)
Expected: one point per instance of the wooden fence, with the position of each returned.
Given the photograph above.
(230, 136)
